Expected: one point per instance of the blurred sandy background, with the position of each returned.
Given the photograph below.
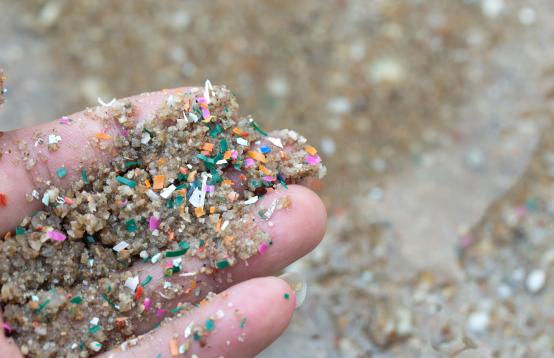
(434, 118)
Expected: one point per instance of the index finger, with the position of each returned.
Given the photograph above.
(57, 151)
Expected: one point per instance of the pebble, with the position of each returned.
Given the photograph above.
(535, 281)
(278, 86)
(385, 70)
(478, 321)
(492, 8)
(376, 193)
(527, 16)
(328, 146)
(474, 158)
(339, 105)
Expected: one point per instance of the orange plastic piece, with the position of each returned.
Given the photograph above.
(199, 212)
(159, 181)
(310, 150)
(173, 347)
(257, 156)
(265, 170)
(103, 136)
(218, 225)
(208, 147)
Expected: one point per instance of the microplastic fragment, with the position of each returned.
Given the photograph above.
(152, 195)
(101, 102)
(147, 304)
(54, 139)
(265, 149)
(204, 107)
(95, 346)
(130, 183)
(223, 264)
(249, 162)
(84, 176)
(252, 200)
(242, 141)
(188, 330)
(207, 89)
(166, 193)
(76, 300)
(146, 280)
(121, 246)
(94, 329)
(154, 223)
(312, 159)
(132, 283)
(158, 182)
(262, 249)
(156, 257)
(65, 120)
(275, 141)
(131, 225)
(61, 172)
(103, 136)
(210, 325)
(145, 138)
(310, 150)
(176, 253)
(56, 235)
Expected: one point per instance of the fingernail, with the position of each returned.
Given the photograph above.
(298, 284)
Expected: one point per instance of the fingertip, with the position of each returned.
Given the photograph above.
(244, 320)
(296, 229)
(148, 102)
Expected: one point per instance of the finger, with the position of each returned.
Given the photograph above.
(239, 322)
(294, 232)
(27, 162)
(8, 348)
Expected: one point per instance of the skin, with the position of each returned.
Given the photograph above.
(260, 298)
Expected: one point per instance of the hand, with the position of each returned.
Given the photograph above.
(267, 303)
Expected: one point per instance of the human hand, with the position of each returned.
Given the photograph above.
(267, 303)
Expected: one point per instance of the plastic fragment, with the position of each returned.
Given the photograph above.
(130, 183)
(61, 172)
(56, 235)
(121, 246)
(76, 300)
(223, 264)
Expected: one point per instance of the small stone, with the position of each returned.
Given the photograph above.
(339, 105)
(535, 281)
(492, 8)
(478, 322)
